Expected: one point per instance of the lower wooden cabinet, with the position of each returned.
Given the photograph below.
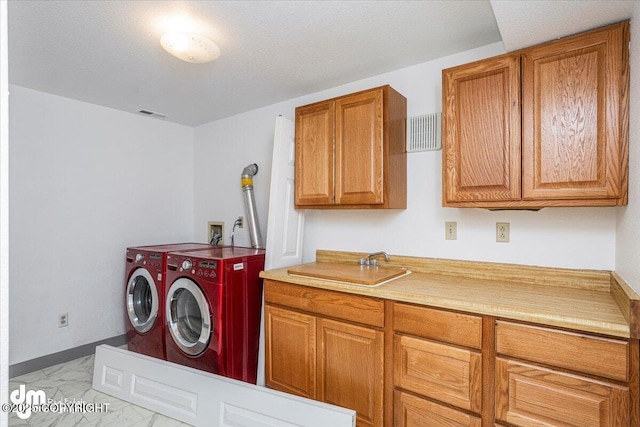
(529, 396)
(399, 364)
(411, 411)
(329, 360)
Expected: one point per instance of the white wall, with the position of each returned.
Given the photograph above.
(565, 237)
(4, 215)
(628, 230)
(222, 149)
(86, 182)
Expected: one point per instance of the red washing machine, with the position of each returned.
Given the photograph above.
(213, 308)
(144, 296)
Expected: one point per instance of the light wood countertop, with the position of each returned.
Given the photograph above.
(575, 299)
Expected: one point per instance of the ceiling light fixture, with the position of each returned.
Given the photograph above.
(190, 47)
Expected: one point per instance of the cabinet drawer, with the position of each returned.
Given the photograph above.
(584, 353)
(448, 374)
(455, 328)
(411, 411)
(529, 396)
(356, 308)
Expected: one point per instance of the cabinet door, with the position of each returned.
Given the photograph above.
(290, 351)
(410, 411)
(315, 154)
(350, 369)
(529, 396)
(572, 113)
(359, 148)
(481, 131)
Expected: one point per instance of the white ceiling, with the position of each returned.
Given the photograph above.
(108, 52)
(526, 23)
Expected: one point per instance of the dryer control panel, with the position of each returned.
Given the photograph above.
(140, 257)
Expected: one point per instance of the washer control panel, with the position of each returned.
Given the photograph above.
(198, 267)
(207, 269)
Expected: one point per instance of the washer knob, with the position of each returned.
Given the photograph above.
(186, 264)
(139, 257)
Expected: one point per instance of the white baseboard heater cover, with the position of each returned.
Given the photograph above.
(204, 399)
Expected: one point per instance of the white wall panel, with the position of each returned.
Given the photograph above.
(85, 183)
(628, 231)
(4, 214)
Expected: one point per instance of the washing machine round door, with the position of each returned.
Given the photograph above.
(188, 316)
(142, 300)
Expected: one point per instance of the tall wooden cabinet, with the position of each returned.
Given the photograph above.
(350, 151)
(545, 126)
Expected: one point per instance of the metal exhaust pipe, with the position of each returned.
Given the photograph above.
(250, 205)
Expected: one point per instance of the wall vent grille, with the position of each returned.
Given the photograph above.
(424, 133)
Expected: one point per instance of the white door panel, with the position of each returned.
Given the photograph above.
(285, 225)
(205, 399)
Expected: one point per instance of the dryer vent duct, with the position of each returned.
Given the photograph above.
(250, 205)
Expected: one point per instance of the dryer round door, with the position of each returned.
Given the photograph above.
(188, 316)
(142, 300)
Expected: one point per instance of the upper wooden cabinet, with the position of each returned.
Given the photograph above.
(350, 151)
(545, 126)
(481, 145)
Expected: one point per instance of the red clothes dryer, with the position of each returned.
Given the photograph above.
(213, 308)
(144, 296)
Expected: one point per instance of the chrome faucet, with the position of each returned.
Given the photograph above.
(368, 261)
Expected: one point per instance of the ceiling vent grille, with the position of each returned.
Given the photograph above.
(424, 133)
(152, 114)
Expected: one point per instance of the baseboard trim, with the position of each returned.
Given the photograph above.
(63, 356)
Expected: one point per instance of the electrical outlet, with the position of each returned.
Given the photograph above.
(502, 232)
(240, 222)
(451, 230)
(63, 320)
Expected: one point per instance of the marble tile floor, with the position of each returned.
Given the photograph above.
(72, 380)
